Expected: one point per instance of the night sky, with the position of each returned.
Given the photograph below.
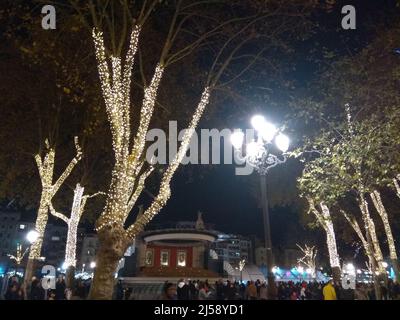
(229, 201)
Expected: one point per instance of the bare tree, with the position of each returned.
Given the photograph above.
(45, 165)
(309, 258)
(77, 209)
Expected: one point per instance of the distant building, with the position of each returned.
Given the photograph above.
(261, 257)
(90, 244)
(55, 239)
(233, 248)
(290, 257)
(13, 231)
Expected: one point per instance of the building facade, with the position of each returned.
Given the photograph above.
(233, 248)
(13, 231)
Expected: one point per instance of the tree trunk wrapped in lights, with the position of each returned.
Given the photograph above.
(371, 233)
(19, 255)
(309, 258)
(397, 185)
(128, 178)
(130, 171)
(377, 200)
(325, 220)
(78, 207)
(367, 248)
(49, 189)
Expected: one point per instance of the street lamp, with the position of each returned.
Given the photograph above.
(93, 265)
(258, 155)
(32, 236)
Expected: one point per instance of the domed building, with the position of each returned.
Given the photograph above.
(181, 251)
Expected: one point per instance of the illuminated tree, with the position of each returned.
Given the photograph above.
(215, 38)
(77, 209)
(45, 165)
(309, 258)
(19, 255)
(324, 219)
(130, 170)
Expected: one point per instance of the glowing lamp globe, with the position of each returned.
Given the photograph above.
(350, 266)
(282, 142)
(237, 138)
(268, 131)
(258, 122)
(32, 236)
(93, 265)
(64, 266)
(252, 149)
(384, 264)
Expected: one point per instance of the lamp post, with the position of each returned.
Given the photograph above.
(32, 236)
(258, 155)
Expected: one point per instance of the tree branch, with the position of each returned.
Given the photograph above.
(57, 214)
(69, 168)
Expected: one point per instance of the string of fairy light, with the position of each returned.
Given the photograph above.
(377, 200)
(46, 172)
(19, 255)
(127, 183)
(331, 238)
(324, 219)
(165, 190)
(396, 185)
(353, 222)
(77, 209)
(370, 229)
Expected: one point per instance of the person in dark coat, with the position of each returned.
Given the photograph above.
(182, 290)
(37, 292)
(12, 293)
(60, 289)
(219, 288)
(194, 294)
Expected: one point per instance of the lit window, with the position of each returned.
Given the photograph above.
(181, 257)
(149, 257)
(164, 258)
(22, 226)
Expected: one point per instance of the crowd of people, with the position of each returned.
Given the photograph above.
(15, 290)
(203, 290)
(258, 290)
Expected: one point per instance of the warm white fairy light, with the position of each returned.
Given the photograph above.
(370, 228)
(242, 264)
(19, 254)
(330, 237)
(165, 190)
(127, 183)
(353, 222)
(139, 188)
(150, 94)
(377, 200)
(397, 185)
(309, 259)
(46, 172)
(324, 219)
(77, 209)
